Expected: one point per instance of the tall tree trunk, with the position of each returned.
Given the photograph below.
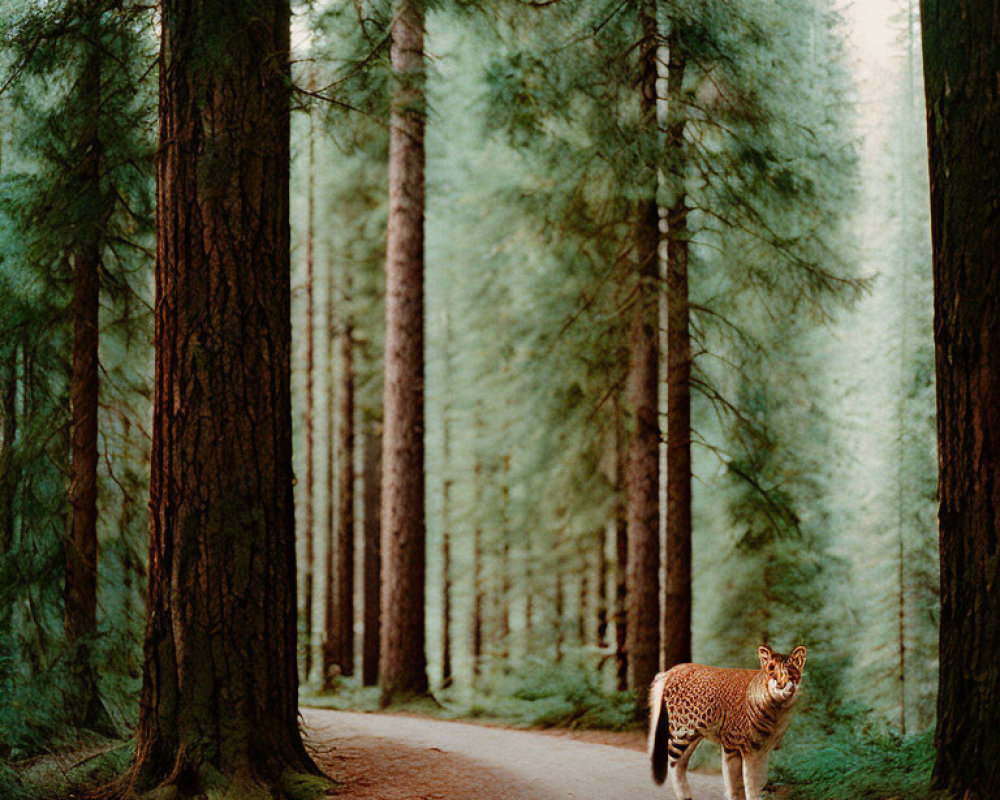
(328, 650)
(642, 473)
(677, 579)
(446, 669)
(446, 586)
(372, 488)
(309, 501)
(559, 606)
(404, 663)
(961, 60)
(478, 590)
(344, 581)
(505, 583)
(621, 565)
(602, 588)
(529, 592)
(220, 679)
(81, 550)
(582, 604)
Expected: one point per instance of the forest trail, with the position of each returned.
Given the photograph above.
(392, 757)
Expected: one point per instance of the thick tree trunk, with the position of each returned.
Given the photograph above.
(220, 679)
(961, 63)
(677, 579)
(309, 500)
(642, 471)
(372, 489)
(344, 581)
(404, 664)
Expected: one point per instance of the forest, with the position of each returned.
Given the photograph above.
(373, 371)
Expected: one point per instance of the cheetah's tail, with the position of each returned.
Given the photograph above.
(659, 729)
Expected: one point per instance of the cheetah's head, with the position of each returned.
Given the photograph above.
(784, 673)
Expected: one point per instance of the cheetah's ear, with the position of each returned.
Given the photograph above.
(764, 654)
(798, 657)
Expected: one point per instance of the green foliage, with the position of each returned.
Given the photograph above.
(542, 695)
(854, 764)
(54, 115)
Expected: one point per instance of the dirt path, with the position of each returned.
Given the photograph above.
(388, 757)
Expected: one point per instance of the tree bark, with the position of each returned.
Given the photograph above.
(327, 654)
(404, 663)
(677, 578)
(344, 582)
(310, 523)
(220, 679)
(446, 486)
(478, 590)
(505, 582)
(642, 471)
(81, 550)
(372, 489)
(446, 670)
(602, 588)
(559, 606)
(621, 561)
(961, 62)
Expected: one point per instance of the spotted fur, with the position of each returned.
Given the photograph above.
(746, 711)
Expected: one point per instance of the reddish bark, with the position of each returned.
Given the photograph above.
(220, 679)
(372, 489)
(642, 470)
(677, 578)
(403, 660)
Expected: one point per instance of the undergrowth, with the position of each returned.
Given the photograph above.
(854, 765)
(535, 696)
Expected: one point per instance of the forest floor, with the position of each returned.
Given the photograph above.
(397, 757)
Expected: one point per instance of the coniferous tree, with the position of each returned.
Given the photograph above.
(352, 64)
(309, 500)
(344, 581)
(403, 660)
(221, 634)
(372, 556)
(76, 221)
(961, 54)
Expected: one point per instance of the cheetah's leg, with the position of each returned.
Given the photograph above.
(680, 751)
(755, 774)
(732, 771)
